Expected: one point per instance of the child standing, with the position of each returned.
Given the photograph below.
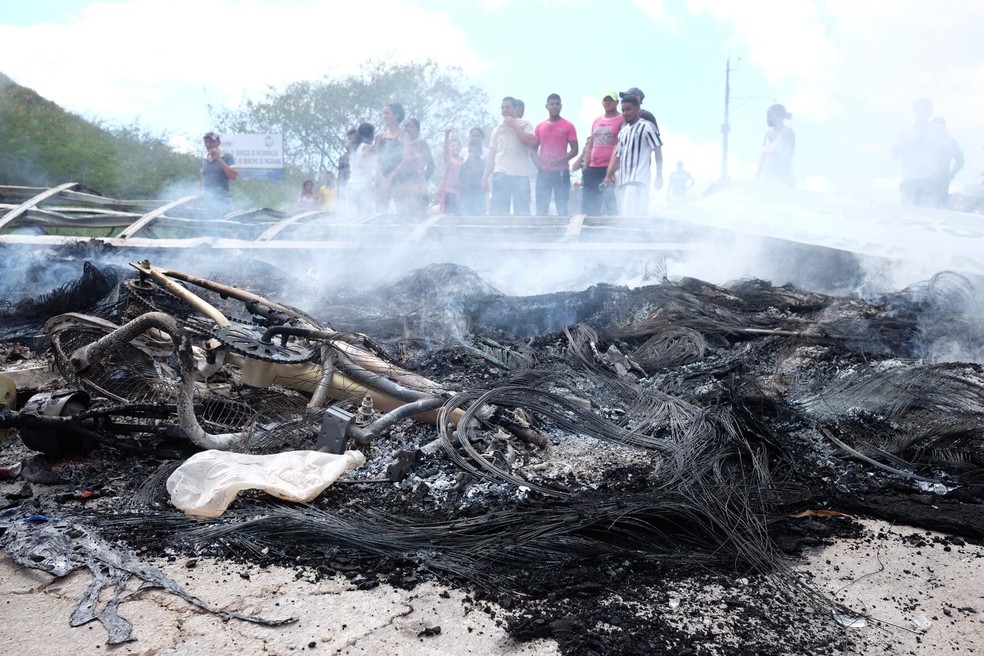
(470, 192)
(450, 195)
(328, 194)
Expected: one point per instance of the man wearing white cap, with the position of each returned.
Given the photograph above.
(217, 170)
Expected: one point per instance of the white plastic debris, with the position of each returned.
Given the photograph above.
(922, 622)
(935, 488)
(674, 602)
(206, 483)
(850, 621)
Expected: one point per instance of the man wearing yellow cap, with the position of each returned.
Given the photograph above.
(598, 201)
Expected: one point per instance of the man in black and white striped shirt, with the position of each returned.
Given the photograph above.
(638, 142)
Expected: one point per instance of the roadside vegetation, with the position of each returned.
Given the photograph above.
(43, 145)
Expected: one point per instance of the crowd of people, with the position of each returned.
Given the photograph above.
(523, 168)
(526, 168)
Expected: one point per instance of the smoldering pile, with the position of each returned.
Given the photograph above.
(587, 449)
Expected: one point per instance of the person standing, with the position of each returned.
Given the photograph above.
(477, 134)
(950, 163)
(392, 147)
(217, 170)
(470, 176)
(776, 163)
(328, 193)
(508, 164)
(410, 178)
(635, 149)
(449, 190)
(680, 183)
(307, 198)
(359, 196)
(344, 164)
(920, 149)
(554, 147)
(646, 115)
(597, 155)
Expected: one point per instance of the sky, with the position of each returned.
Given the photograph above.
(847, 70)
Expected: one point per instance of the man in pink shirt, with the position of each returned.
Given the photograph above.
(599, 200)
(554, 147)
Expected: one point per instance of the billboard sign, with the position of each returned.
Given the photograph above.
(257, 155)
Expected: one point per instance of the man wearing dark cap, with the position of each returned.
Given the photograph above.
(634, 150)
(217, 170)
(648, 116)
(643, 113)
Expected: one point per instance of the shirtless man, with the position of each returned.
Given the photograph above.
(776, 163)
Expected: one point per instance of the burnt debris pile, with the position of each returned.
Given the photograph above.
(571, 456)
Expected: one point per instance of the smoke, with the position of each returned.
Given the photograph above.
(818, 242)
(27, 274)
(949, 309)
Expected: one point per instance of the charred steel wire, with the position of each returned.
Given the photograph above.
(665, 526)
(566, 413)
(721, 431)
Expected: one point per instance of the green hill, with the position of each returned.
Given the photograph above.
(43, 145)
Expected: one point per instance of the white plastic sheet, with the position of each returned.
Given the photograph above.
(206, 483)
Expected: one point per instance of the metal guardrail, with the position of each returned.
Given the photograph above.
(185, 223)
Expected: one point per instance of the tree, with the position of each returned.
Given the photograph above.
(43, 145)
(315, 116)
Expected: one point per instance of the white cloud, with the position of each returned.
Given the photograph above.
(494, 4)
(120, 60)
(587, 111)
(836, 54)
(657, 11)
(788, 42)
(853, 67)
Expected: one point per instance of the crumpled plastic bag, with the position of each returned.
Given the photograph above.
(206, 483)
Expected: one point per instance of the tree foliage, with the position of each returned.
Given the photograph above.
(43, 145)
(315, 116)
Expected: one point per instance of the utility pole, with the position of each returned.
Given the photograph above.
(726, 126)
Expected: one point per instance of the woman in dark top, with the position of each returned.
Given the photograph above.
(472, 195)
(392, 144)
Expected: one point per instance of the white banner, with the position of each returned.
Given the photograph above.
(257, 155)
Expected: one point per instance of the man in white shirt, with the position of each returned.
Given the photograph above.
(920, 149)
(508, 163)
(637, 145)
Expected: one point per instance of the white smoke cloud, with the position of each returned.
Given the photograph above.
(850, 70)
(140, 54)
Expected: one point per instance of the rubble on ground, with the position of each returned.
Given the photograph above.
(580, 459)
